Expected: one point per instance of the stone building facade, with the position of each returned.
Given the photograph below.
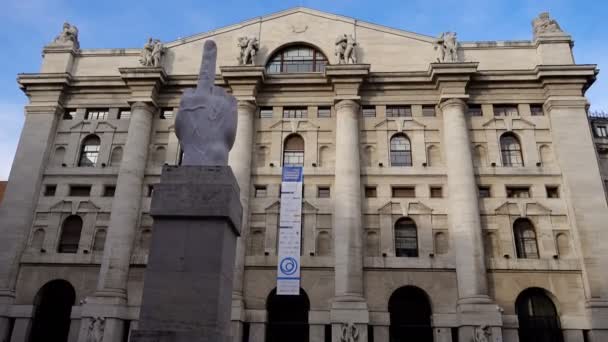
(2, 189)
(451, 189)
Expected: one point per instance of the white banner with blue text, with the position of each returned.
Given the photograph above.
(290, 232)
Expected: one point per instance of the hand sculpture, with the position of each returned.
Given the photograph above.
(206, 121)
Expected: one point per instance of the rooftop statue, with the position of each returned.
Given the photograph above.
(345, 49)
(206, 121)
(544, 24)
(151, 53)
(68, 36)
(249, 48)
(448, 48)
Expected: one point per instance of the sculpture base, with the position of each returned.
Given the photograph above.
(188, 280)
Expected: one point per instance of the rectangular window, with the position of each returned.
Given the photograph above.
(484, 191)
(266, 112)
(536, 110)
(49, 190)
(295, 112)
(371, 192)
(166, 114)
(601, 131)
(398, 111)
(324, 112)
(368, 111)
(323, 192)
(124, 114)
(109, 190)
(436, 192)
(428, 111)
(474, 110)
(80, 190)
(505, 110)
(518, 191)
(97, 114)
(404, 191)
(260, 191)
(552, 191)
(69, 114)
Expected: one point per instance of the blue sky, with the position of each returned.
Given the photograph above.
(27, 25)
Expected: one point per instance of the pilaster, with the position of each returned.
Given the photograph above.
(567, 110)
(45, 92)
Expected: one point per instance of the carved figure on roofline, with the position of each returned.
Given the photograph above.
(249, 48)
(481, 334)
(350, 333)
(68, 36)
(345, 49)
(544, 24)
(448, 48)
(151, 53)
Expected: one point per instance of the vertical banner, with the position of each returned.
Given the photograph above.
(290, 232)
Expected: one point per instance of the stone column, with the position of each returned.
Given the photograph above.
(347, 204)
(349, 303)
(586, 203)
(244, 82)
(464, 219)
(126, 204)
(240, 162)
(23, 189)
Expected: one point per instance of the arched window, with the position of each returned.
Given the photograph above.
(116, 157)
(434, 156)
(100, 240)
(89, 151)
(297, 59)
(479, 156)
(368, 156)
(323, 245)
(510, 150)
(525, 239)
(563, 245)
(401, 151)
(406, 238)
(293, 151)
(546, 156)
(410, 315)
(287, 317)
(53, 306)
(537, 316)
(38, 239)
(372, 244)
(58, 156)
(441, 243)
(70, 234)
(262, 155)
(256, 242)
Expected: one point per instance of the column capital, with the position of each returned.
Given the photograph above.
(246, 106)
(347, 104)
(147, 106)
(451, 79)
(347, 79)
(454, 101)
(144, 83)
(577, 102)
(243, 80)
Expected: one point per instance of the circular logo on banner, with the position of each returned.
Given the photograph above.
(288, 266)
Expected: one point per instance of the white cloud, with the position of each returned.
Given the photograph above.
(11, 123)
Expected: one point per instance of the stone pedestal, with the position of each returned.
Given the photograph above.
(188, 281)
